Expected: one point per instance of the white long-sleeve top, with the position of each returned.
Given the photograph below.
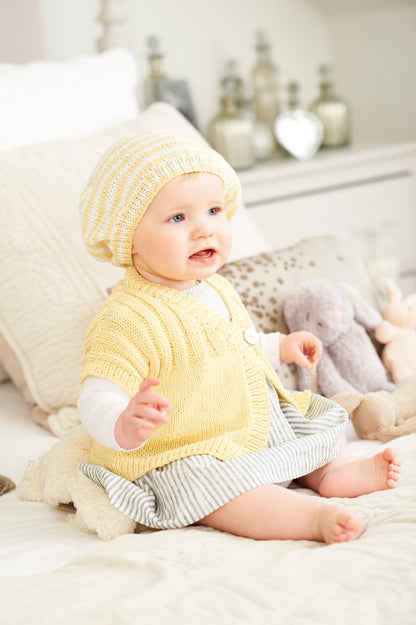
(101, 401)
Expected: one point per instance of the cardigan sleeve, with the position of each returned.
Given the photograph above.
(269, 347)
(116, 348)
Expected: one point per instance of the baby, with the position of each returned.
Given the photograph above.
(221, 440)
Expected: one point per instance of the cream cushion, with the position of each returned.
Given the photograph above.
(54, 100)
(50, 287)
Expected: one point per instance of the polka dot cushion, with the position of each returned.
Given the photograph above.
(264, 281)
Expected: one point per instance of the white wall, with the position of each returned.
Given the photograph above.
(69, 28)
(198, 36)
(373, 52)
(374, 57)
(20, 22)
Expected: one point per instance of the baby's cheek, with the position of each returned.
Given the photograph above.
(227, 243)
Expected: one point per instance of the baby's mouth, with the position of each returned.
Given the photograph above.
(202, 255)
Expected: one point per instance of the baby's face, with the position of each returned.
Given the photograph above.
(184, 236)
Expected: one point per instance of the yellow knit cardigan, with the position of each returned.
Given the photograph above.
(214, 378)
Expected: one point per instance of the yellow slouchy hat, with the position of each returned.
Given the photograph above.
(127, 178)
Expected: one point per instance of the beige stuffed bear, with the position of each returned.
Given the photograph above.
(382, 415)
(398, 334)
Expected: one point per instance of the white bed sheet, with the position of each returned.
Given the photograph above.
(54, 574)
(34, 538)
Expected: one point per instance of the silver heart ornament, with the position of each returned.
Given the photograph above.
(299, 132)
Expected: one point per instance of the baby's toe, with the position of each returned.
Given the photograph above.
(390, 455)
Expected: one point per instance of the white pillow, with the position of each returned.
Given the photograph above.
(50, 286)
(51, 100)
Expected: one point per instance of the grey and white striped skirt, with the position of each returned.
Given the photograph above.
(183, 492)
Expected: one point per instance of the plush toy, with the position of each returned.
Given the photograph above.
(6, 484)
(382, 415)
(398, 333)
(335, 314)
(55, 480)
(401, 311)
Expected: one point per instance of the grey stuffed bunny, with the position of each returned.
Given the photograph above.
(349, 362)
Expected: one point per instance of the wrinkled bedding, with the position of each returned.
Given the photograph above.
(54, 574)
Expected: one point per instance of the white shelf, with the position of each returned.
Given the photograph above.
(285, 177)
(347, 192)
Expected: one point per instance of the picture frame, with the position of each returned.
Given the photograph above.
(176, 93)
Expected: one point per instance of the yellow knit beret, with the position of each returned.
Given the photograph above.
(127, 178)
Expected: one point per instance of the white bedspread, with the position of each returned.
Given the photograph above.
(52, 574)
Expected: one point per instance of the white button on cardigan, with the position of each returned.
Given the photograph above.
(251, 336)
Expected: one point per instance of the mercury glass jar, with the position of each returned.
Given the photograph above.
(333, 113)
(156, 73)
(265, 86)
(231, 134)
(233, 87)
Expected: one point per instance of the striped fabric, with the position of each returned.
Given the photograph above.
(128, 177)
(189, 489)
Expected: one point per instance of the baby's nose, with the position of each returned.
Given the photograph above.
(337, 314)
(203, 230)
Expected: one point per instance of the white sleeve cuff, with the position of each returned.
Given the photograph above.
(100, 404)
(269, 347)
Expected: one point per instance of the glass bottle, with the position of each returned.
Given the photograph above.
(233, 87)
(231, 131)
(333, 113)
(265, 87)
(232, 84)
(155, 58)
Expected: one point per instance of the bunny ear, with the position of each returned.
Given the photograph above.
(364, 313)
(393, 292)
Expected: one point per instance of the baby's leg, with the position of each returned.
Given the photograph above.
(345, 477)
(273, 512)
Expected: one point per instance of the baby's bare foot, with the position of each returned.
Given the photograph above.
(392, 466)
(360, 477)
(337, 525)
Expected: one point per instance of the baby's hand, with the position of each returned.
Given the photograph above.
(145, 411)
(303, 348)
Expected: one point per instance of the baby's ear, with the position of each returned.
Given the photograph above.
(133, 252)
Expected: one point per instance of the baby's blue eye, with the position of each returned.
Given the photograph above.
(176, 219)
(213, 211)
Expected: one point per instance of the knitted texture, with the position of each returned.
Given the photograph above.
(214, 378)
(128, 177)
